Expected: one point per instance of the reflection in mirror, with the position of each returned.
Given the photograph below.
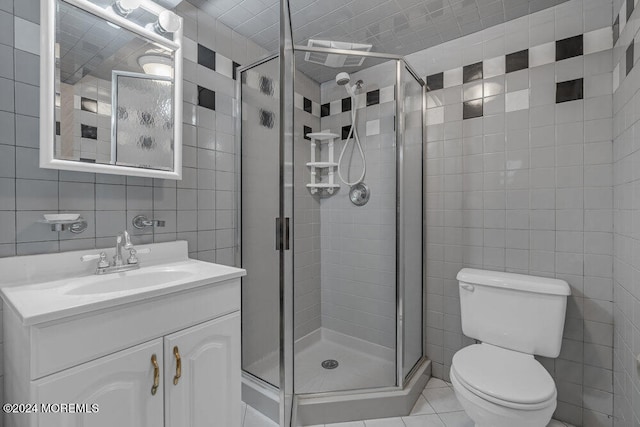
(91, 53)
(143, 121)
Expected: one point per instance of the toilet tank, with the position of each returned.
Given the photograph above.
(513, 311)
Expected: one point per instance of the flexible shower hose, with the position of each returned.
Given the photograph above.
(353, 131)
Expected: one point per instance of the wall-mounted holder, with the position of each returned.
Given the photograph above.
(141, 222)
(330, 164)
(65, 222)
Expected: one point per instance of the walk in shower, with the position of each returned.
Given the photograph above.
(333, 300)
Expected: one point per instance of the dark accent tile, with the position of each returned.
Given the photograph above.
(373, 97)
(206, 98)
(616, 30)
(630, 57)
(58, 128)
(266, 119)
(435, 81)
(346, 104)
(235, 70)
(325, 110)
(345, 131)
(307, 105)
(571, 90)
(472, 72)
(568, 48)
(631, 4)
(307, 130)
(87, 104)
(517, 61)
(472, 109)
(89, 132)
(206, 57)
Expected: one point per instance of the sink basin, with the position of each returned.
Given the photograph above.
(62, 287)
(118, 282)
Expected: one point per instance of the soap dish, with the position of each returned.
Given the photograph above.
(61, 217)
(65, 222)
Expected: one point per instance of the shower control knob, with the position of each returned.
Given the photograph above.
(359, 194)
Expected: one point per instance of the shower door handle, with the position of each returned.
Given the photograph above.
(278, 234)
(286, 234)
(282, 238)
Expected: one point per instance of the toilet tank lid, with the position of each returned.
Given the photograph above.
(520, 282)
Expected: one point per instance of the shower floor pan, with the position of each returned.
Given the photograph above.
(361, 366)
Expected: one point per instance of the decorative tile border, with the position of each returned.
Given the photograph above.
(215, 62)
(372, 97)
(472, 76)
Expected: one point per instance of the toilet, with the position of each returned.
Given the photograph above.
(498, 381)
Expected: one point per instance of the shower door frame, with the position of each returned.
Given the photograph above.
(400, 66)
(286, 346)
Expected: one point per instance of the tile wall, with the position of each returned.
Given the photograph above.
(306, 210)
(358, 261)
(626, 204)
(519, 178)
(199, 209)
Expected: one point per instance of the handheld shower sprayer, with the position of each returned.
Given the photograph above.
(343, 79)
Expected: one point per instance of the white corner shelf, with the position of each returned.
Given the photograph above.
(323, 185)
(322, 136)
(322, 164)
(330, 187)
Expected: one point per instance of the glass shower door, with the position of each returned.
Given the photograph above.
(411, 191)
(260, 171)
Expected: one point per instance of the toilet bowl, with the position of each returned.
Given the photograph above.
(502, 388)
(499, 382)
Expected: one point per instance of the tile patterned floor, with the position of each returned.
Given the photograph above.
(436, 407)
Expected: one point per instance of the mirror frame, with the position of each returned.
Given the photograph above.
(47, 89)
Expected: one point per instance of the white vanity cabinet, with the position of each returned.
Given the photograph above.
(120, 384)
(156, 356)
(207, 392)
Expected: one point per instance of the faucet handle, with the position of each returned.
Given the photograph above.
(133, 258)
(102, 257)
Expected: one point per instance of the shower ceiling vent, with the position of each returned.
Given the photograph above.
(336, 61)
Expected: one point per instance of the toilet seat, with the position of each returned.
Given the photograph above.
(504, 377)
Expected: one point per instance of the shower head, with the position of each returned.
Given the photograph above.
(343, 79)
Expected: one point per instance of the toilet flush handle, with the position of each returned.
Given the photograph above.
(467, 287)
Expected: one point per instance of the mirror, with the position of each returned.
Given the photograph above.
(111, 88)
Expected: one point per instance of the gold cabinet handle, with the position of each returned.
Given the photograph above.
(176, 353)
(156, 375)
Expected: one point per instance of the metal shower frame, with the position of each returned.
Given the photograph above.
(286, 287)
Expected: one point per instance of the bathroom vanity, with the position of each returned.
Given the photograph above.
(156, 346)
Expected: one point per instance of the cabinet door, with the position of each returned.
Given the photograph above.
(207, 394)
(120, 384)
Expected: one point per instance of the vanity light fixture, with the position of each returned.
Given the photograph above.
(125, 7)
(157, 65)
(168, 22)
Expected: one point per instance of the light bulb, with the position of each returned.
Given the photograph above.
(168, 22)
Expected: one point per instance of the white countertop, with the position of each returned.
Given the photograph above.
(38, 301)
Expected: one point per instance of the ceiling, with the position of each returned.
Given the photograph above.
(88, 45)
(391, 26)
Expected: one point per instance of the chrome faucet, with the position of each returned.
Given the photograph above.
(123, 241)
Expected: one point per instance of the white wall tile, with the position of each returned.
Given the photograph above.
(518, 100)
